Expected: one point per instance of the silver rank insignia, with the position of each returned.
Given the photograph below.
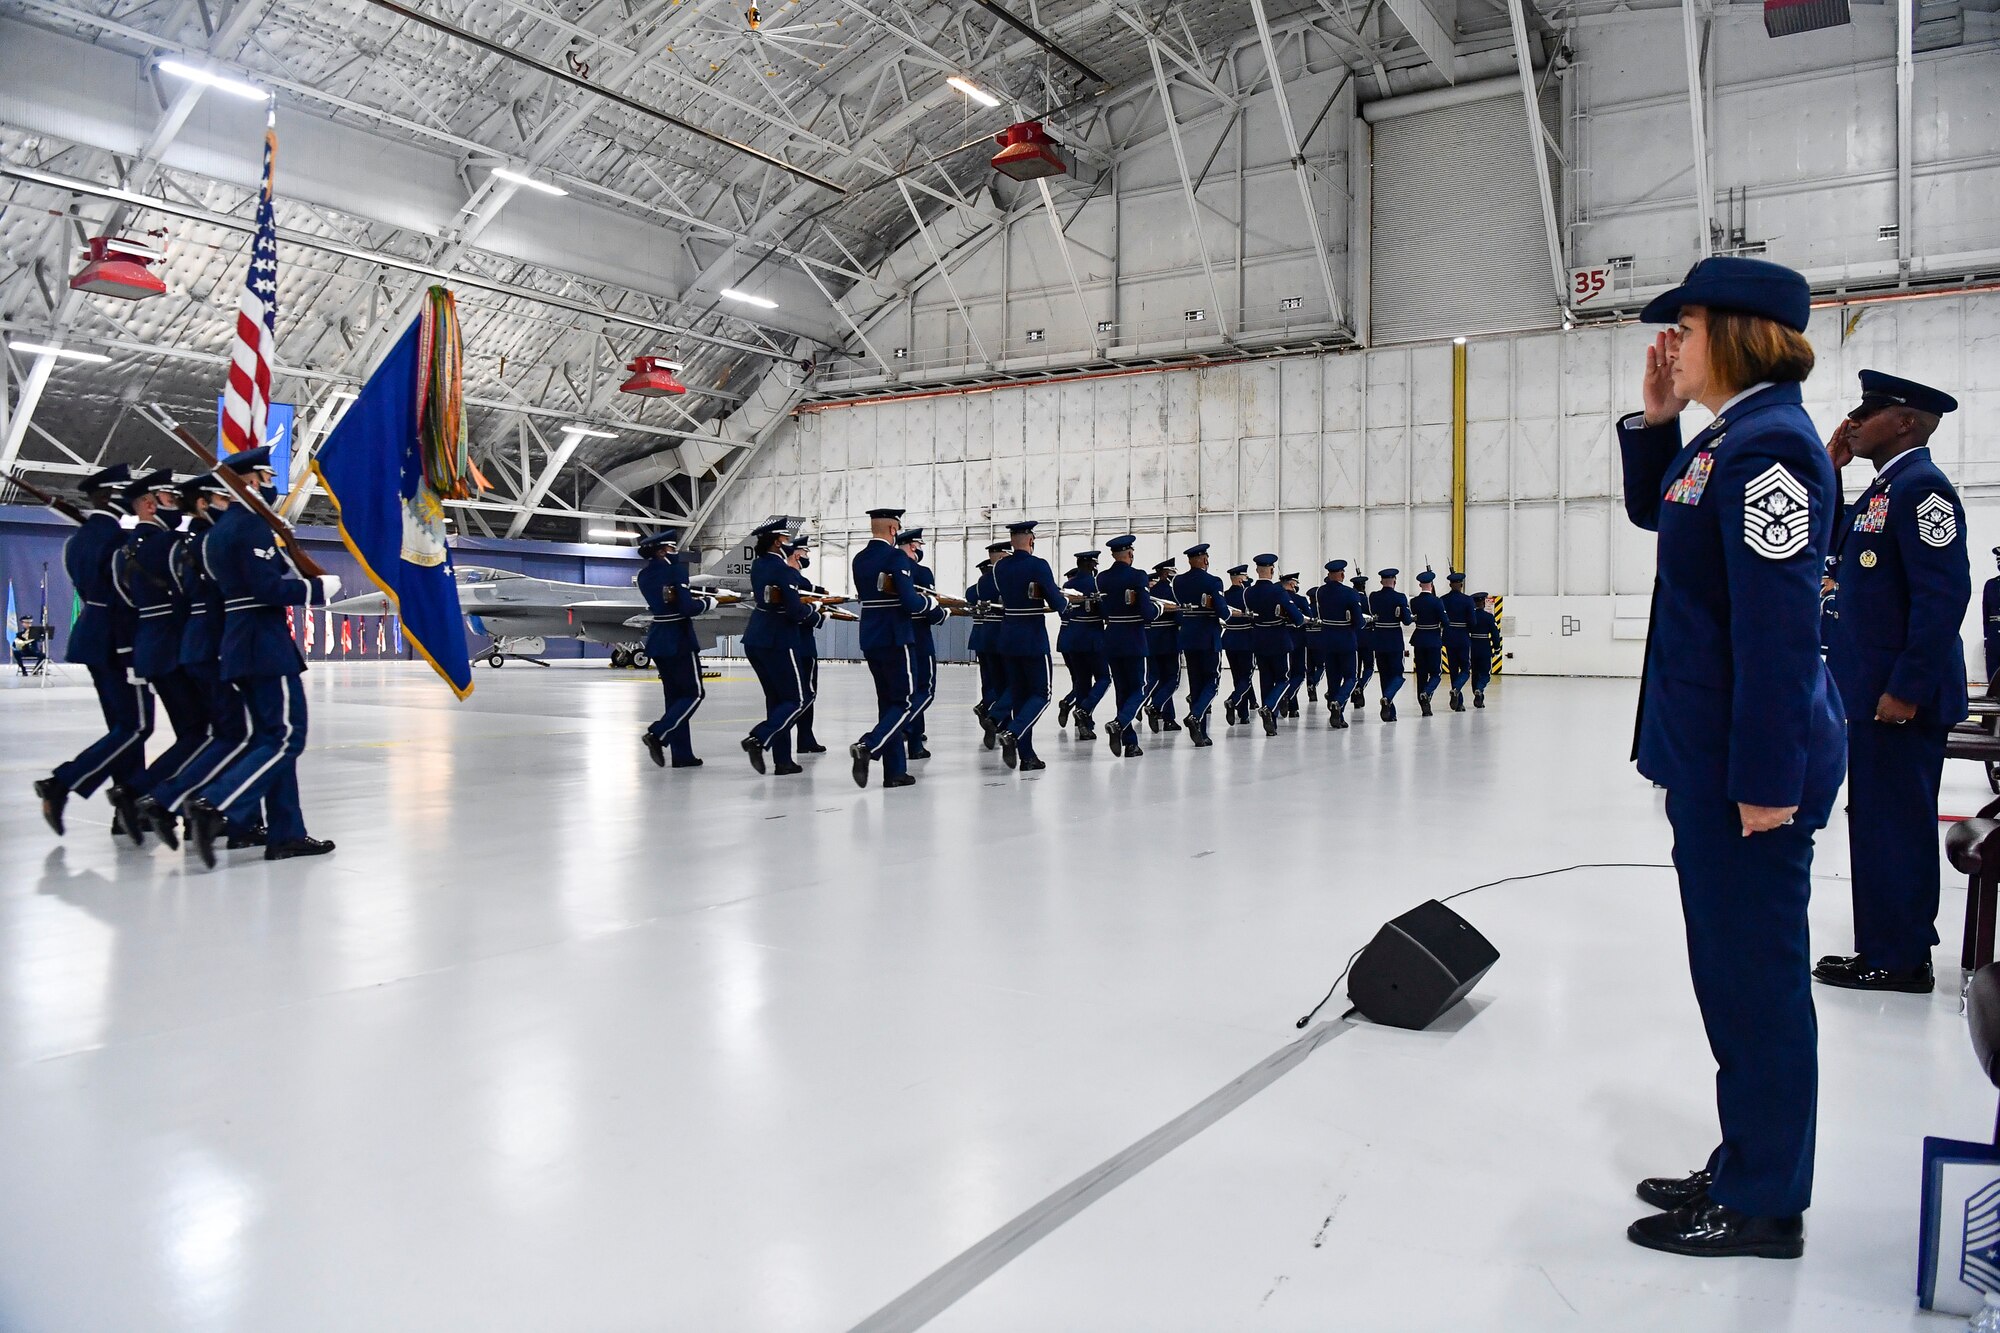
(1937, 521)
(1777, 516)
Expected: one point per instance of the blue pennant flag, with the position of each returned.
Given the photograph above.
(392, 522)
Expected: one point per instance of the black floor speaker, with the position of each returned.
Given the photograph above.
(1418, 966)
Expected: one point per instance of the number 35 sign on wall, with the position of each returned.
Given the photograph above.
(1590, 286)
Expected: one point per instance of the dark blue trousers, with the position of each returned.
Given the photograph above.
(1274, 678)
(1458, 657)
(265, 776)
(1430, 666)
(782, 673)
(1364, 666)
(1892, 802)
(120, 753)
(1028, 694)
(992, 678)
(802, 730)
(923, 692)
(1164, 671)
(1482, 664)
(1744, 900)
(1339, 676)
(228, 736)
(680, 682)
(1130, 679)
(1204, 674)
(894, 672)
(1242, 677)
(186, 702)
(1315, 661)
(1089, 678)
(1389, 666)
(1295, 673)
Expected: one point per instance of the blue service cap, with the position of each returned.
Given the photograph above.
(1427, 577)
(110, 479)
(1288, 578)
(1264, 560)
(908, 535)
(1124, 543)
(1454, 577)
(1729, 282)
(1025, 525)
(1335, 566)
(775, 525)
(1200, 548)
(1168, 563)
(800, 543)
(204, 483)
(159, 479)
(996, 547)
(1359, 577)
(1387, 573)
(248, 460)
(1481, 596)
(654, 540)
(1880, 390)
(885, 513)
(1086, 555)
(1245, 569)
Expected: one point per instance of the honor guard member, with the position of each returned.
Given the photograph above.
(1201, 598)
(1829, 610)
(1081, 643)
(203, 499)
(1271, 617)
(781, 621)
(1236, 649)
(987, 615)
(1739, 721)
(1128, 604)
(1364, 660)
(1457, 644)
(1163, 669)
(1297, 652)
(1427, 639)
(1905, 581)
(147, 557)
(804, 741)
(1389, 611)
(1315, 644)
(1484, 637)
(1028, 591)
(1338, 610)
(94, 644)
(924, 692)
(257, 583)
(891, 601)
(1989, 619)
(672, 644)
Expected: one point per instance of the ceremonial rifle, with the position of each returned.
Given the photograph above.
(244, 491)
(55, 502)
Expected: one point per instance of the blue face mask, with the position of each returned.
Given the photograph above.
(269, 492)
(804, 561)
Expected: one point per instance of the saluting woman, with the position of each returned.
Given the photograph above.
(1741, 723)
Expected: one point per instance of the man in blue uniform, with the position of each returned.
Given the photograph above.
(1201, 597)
(804, 741)
(1123, 592)
(1236, 649)
(1484, 638)
(257, 583)
(1163, 667)
(1272, 617)
(1457, 644)
(1081, 643)
(1390, 611)
(1904, 584)
(923, 693)
(1364, 657)
(1337, 607)
(891, 602)
(145, 564)
(1028, 591)
(1989, 619)
(100, 641)
(672, 644)
(987, 614)
(1297, 651)
(780, 622)
(1427, 639)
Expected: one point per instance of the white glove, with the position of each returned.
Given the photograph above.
(329, 587)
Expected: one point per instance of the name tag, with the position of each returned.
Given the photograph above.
(1875, 517)
(1687, 488)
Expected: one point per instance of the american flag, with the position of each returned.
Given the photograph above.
(247, 402)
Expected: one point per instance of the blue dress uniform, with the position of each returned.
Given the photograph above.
(781, 624)
(1271, 618)
(1081, 643)
(1338, 609)
(923, 692)
(1484, 638)
(1028, 591)
(1163, 640)
(674, 647)
(1202, 599)
(95, 644)
(148, 556)
(259, 656)
(1236, 650)
(1427, 639)
(1736, 707)
(1364, 658)
(885, 579)
(987, 615)
(1125, 594)
(1389, 611)
(1905, 581)
(1297, 636)
(1457, 643)
(1989, 620)
(803, 739)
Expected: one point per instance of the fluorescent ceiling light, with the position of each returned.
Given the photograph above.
(973, 90)
(618, 533)
(747, 299)
(578, 428)
(520, 178)
(220, 82)
(66, 353)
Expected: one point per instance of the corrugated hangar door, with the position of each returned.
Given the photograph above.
(1457, 245)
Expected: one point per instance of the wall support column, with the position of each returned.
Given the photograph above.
(1458, 452)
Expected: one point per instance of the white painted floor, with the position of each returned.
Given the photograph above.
(560, 1041)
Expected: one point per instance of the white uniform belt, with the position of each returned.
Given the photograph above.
(240, 603)
(881, 605)
(99, 605)
(1126, 620)
(154, 613)
(1031, 611)
(668, 620)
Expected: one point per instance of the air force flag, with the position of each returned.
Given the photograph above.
(392, 521)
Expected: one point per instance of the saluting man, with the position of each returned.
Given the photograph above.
(1427, 639)
(886, 582)
(1163, 643)
(1236, 648)
(1391, 611)
(1081, 643)
(1904, 583)
(924, 692)
(1128, 608)
(1028, 591)
(674, 647)
(1200, 596)
(1338, 609)
(1457, 644)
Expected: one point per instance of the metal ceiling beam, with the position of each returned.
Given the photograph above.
(1333, 302)
(944, 273)
(1187, 183)
(1558, 268)
(1069, 264)
(1704, 200)
(1041, 39)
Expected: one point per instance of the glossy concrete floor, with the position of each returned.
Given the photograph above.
(560, 1041)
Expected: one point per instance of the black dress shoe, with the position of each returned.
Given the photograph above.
(755, 749)
(161, 820)
(810, 747)
(1133, 751)
(130, 823)
(1479, 698)
(53, 796)
(1010, 753)
(1856, 973)
(918, 752)
(899, 780)
(786, 770)
(1669, 1192)
(285, 851)
(1312, 694)
(205, 825)
(1458, 701)
(1062, 713)
(1152, 720)
(1388, 711)
(254, 836)
(991, 740)
(859, 754)
(1706, 1229)
(1270, 721)
(1033, 765)
(1358, 699)
(655, 747)
(1424, 702)
(689, 762)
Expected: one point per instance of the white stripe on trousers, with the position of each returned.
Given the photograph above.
(284, 743)
(700, 694)
(1015, 724)
(221, 766)
(140, 735)
(909, 687)
(805, 700)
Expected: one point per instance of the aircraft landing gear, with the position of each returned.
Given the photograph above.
(620, 659)
(641, 659)
(497, 660)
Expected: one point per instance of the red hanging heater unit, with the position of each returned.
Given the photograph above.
(1026, 152)
(118, 267)
(653, 377)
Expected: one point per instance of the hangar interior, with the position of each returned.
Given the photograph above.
(556, 1040)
